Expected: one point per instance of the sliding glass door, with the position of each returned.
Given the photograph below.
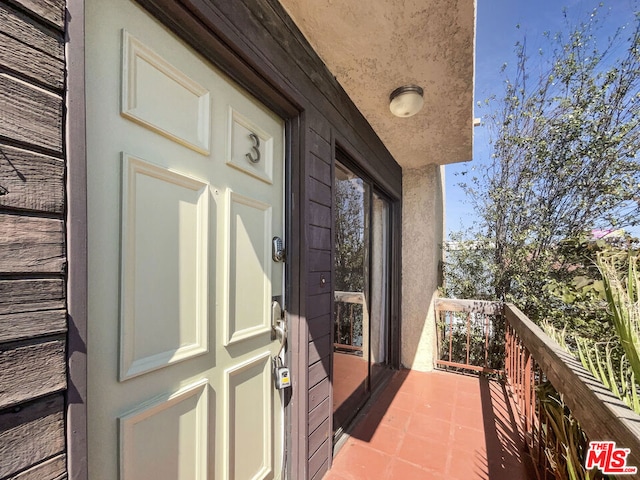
(361, 294)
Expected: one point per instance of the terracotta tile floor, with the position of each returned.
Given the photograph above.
(436, 425)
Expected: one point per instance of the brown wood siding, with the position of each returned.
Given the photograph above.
(31, 435)
(33, 324)
(319, 200)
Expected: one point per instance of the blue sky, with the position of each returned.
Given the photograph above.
(500, 24)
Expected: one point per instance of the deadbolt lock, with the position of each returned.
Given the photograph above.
(277, 250)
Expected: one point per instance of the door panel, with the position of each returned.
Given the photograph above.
(183, 115)
(164, 313)
(259, 148)
(182, 419)
(185, 192)
(249, 423)
(249, 268)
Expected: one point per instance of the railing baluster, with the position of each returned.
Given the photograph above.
(519, 376)
(338, 319)
(527, 389)
(450, 336)
(514, 359)
(468, 335)
(510, 352)
(351, 326)
(486, 340)
(522, 379)
(506, 351)
(545, 460)
(516, 368)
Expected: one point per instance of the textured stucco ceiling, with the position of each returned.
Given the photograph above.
(374, 46)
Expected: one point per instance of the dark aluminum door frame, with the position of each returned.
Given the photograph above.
(350, 158)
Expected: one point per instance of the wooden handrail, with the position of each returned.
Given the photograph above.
(349, 297)
(468, 306)
(600, 413)
(344, 346)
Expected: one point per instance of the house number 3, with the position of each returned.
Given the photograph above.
(255, 149)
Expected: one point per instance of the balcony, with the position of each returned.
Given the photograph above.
(485, 416)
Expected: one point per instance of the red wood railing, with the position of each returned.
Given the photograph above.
(523, 378)
(471, 335)
(530, 359)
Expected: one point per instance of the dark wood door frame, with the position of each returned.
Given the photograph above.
(76, 222)
(201, 26)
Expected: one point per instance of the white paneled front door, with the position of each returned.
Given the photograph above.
(185, 192)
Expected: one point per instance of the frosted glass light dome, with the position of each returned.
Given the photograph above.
(406, 101)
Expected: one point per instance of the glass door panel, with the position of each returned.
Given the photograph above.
(351, 313)
(362, 292)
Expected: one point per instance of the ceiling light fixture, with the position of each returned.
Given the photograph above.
(406, 101)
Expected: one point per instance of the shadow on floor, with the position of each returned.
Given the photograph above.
(435, 425)
(504, 442)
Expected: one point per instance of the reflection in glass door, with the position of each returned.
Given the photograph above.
(361, 296)
(380, 286)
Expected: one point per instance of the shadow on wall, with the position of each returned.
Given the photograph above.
(423, 223)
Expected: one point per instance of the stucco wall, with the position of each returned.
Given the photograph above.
(422, 238)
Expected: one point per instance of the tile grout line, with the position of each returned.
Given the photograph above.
(452, 426)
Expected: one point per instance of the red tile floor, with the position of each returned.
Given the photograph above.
(436, 425)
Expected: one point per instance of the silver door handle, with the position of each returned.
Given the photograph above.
(278, 324)
(282, 330)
